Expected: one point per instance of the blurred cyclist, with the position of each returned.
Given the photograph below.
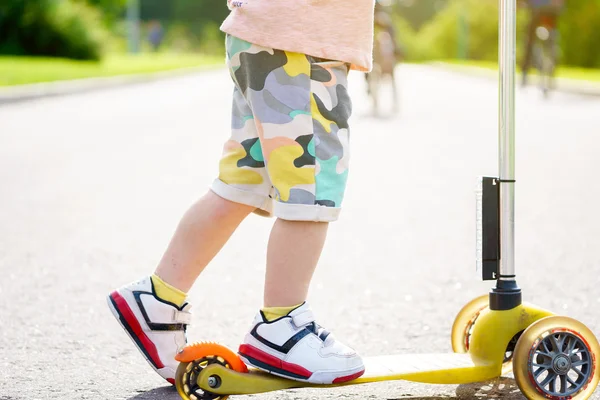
(384, 23)
(386, 51)
(543, 13)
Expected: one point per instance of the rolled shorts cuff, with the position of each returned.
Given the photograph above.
(305, 212)
(266, 206)
(263, 203)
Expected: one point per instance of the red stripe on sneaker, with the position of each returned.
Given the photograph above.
(135, 327)
(171, 381)
(273, 361)
(347, 378)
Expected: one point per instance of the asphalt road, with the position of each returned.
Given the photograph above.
(92, 187)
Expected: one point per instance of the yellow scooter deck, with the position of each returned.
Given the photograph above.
(434, 368)
(488, 343)
(427, 368)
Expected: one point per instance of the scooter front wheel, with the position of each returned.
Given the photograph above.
(464, 322)
(463, 327)
(557, 358)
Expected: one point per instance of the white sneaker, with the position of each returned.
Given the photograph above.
(156, 327)
(295, 347)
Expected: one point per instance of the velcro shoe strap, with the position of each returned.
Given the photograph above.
(182, 317)
(304, 318)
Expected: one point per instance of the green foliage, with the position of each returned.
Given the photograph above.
(112, 7)
(470, 28)
(205, 38)
(58, 28)
(465, 27)
(200, 10)
(188, 11)
(580, 33)
(22, 70)
(190, 25)
(418, 12)
(407, 38)
(112, 10)
(212, 41)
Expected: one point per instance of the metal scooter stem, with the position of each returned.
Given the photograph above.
(506, 136)
(507, 295)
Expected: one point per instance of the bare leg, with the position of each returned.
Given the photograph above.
(202, 232)
(292, 255)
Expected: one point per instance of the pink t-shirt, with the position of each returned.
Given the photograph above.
(340, 30)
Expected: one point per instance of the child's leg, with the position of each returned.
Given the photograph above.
(202, 232)
(153, 310)
(293, 252)
(300, 107)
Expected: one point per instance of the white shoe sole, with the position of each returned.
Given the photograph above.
(317, 377)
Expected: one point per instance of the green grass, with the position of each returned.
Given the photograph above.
(561, 72)
(22, 70)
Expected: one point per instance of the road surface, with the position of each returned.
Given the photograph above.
(92, 187)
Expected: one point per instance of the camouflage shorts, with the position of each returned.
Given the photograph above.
(289, 149)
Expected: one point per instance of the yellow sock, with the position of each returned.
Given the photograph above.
(166, 292)
(272, 313)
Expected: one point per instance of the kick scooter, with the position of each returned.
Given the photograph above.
(552, 357)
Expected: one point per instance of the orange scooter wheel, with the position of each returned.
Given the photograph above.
(193, 359)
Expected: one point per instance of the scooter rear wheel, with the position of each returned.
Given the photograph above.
(197, 357)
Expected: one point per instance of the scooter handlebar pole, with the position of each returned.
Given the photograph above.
(506, 136)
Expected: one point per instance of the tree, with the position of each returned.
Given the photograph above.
(580, 34)
(418, 12)
(51, 28)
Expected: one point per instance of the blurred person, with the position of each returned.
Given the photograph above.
(386, 54)
(287, 156)
(156, 34)
(542, 13)
(387, 47)
(384, 23)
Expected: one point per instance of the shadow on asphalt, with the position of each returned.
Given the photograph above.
(501, 388)
(162, 393)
